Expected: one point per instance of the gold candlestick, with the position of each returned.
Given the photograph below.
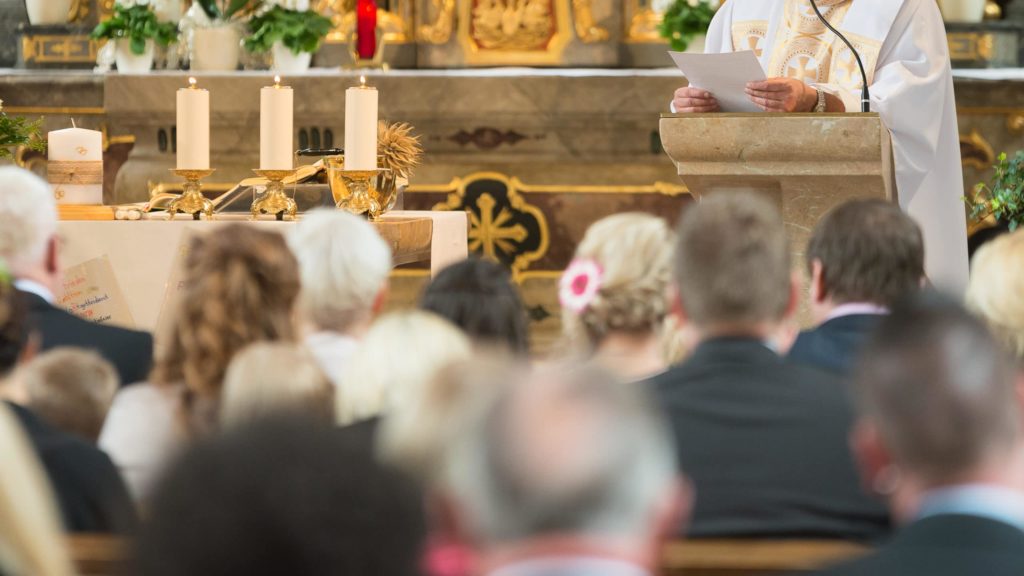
(191, 200)
(356, 191)
(274, 200)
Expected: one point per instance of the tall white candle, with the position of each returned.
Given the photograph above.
(361, 127)
(193, 128)
(276, 113)
(77, 145)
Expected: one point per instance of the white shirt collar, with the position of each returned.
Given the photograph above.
(33, 287)
(856, 308)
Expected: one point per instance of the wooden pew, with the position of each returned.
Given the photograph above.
(98, 555)
(729, 557)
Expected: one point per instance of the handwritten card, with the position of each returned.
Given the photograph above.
(91, 291)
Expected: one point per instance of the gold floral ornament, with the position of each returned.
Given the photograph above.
(398, 148)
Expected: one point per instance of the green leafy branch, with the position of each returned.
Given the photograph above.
(684, 21)
(137, 24)
(19, 131)
(223, 10)
(298, 31)
(1003, 197)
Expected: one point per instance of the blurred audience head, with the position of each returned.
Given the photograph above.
(239, 286)
(732, 265)
(28, 238)
(13, 332)
(937, 398)
(344, 264)
(282, 498)
(864, 252)
(996, 290)
(566, 452)
(478, 296)
(617, 283)
(32, 540)
(396, 360)
(72, 389)
(272, 379)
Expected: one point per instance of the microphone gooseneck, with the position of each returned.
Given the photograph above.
(865, 94)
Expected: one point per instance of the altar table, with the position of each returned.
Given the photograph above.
(143, 253)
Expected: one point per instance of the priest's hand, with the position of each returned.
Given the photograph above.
(690, 100)
(782, 95)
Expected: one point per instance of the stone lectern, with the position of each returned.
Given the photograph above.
(807, 163)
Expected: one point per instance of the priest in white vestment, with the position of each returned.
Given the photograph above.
(903, 46)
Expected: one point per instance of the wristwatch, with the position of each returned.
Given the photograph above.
(822, 104)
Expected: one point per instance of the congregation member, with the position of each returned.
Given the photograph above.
(282, 498)
(239, 287)
(614, 295)
(269, 379)
(478, 296)
(343, 288)
(88, 489)
(907, 70)
(30, 244)
(996, 290)
(31, 536)
(764, 440)
(940, 434)
(70, 389)
(564, 471)
(389, 380)
(863, 257)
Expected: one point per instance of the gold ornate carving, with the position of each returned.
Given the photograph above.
(971, 46)
(1015, 124)
(643, 27)
(440, 30)
(587, 29)
(79, 10)
(514, 32)
(663, 188)
(976, 152)
(59, 49)
(396, 22)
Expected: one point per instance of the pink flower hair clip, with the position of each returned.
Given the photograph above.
(580, 284)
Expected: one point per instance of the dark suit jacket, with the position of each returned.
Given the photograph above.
(765, 444)
(90, 492)
(836, 344)
(946, 545)
(130, 351)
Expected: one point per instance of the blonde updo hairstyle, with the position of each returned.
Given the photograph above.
(634, 252)
(997, 283)
(239, 286)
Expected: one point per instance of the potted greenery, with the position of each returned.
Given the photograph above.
(1003, 198)
(135, 29)
(685, 24)
(18, 131)
(291, 32)
(212, 28)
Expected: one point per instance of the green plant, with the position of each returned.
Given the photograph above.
(298, 31)
(137, 24)
(18, 131)
(685, 20)
(1003, 197)
(223, 10)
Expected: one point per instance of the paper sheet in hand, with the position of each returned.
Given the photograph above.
(725, 75)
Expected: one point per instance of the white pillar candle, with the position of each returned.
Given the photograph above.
(361, 127)
(76, 145)
(276, 113)
(193, 128)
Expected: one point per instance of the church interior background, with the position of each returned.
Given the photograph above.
(538, 117)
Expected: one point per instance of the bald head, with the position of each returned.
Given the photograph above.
(940, 390)
(567, 451)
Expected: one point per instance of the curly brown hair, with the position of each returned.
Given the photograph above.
(239, 286)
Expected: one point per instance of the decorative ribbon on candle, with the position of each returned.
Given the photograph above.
(366, 29)
(74, 173)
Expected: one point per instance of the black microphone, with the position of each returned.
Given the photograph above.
(865, 94)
